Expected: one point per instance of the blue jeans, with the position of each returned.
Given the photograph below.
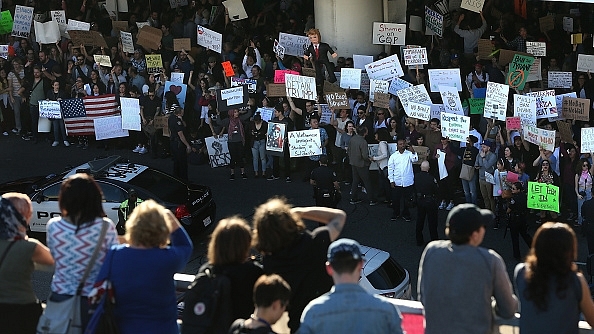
(259, 154)
(59, 130)
(470, 189)
(581, 202)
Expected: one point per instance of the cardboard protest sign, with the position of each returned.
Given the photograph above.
(434, 21)
(154, 63)
(179, 90)
(109, 127)
(381, 100)
(102, 60)
(279, 75)
(444, 77)
(332, 87)
(180, 44)
(276, 90)
(119, 26)
(142, 24)
(177, 77)
(304, 143)
(485, 49)
(537, 49)
(542, 196)
(473, 5)
(301, 87)
(218, 151)
(559, 79)
(524, 107)
(232, 98)
(546, 23)
(398, 84)
(565, 131)
(294, 45)
(577, 109)
(496, 101)
(337, 100)
(6, 22)
(513, 123)
(228, 68)
(359, 61)
(559, 104)
(587, 140)
(476, 105)
(235, 9)
(210, 39)
(506, 56)
(275, 138)
(21, 26)
(60, 17)
(160, 122)
(50, 109)
(416, 94)
(350, 78)
(266, 113)
(308, 72)
(385, 69)
(415, 56)
(149, 37)
(546, 105)
(130, 113)
(78, 25)
(87, 38)
(455, 127)
(252, 84)
(47, 33)
(127, 42)
(388, 33)
(419, 111)
(518, 71)
(585, 63)
(377, 86)
(278, 49)
(451, 100)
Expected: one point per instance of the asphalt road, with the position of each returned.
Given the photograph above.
(369, 225)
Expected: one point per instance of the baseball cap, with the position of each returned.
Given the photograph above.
(467, 218)
(487, 142)
(454, 56)
(344, 247)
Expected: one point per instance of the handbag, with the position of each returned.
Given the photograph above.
(64, 317)
(467, 172)
(103, 321)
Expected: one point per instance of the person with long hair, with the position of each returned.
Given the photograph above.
(552, 292)
(569, 165)
(583, 185)
(382, 136)
(257, 130)
(548, 176)
(236, 142)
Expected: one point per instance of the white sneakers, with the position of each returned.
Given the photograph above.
(137, 149)
(143, 150)
(56, 143)
(66, 143)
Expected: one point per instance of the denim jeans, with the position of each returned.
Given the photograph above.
(470, 189)
(16, 107)
(581, 202)
(259, 154)
(59, 130)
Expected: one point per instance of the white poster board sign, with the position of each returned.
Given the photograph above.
(398, 84)
(209, 39)
(78, 25)
(266, 113)
(21, 26)
(560, 79)
(377, 86)
(359, 61)
(587, 140)
(451, 100)
(130, 113)
(385, 69)
(473, 5)
(415, 56)
(50, 109)
(350, 78)
(177, 77)
(437, 110)
(496, 101)
(389, 33)
(537, 49)
(301, 87)
(535, 73)
(546, 106)
(47, 33)
(235, 9)
(444, 77)
(524, 107)
(305, 143)
(109, 127)
(585, 63)
(416, 94)
(60, 17)
(294, 45)
(127, 42)
(455, 127)
(218, 151)
(419, 111)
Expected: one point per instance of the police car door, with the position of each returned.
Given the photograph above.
(45, 207)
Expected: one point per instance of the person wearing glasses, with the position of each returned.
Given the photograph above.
(583, 186)
(381, 120)
(367, 122)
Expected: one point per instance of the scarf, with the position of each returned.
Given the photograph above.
(10, 219)
(235, 123)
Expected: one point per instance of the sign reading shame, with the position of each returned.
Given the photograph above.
(389, 33)
(305, 143)
(301, 87)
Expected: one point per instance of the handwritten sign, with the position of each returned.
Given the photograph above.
(389, 33)
(177, 77)
(476, 105)
(587, 140)
(232, 98)
(109, 127)
(78, 25)
(381, 100)
(436, 110)
(419, 111)
(154, 63)
(87, 38)
(278, 49)
(559, 103)
(518, 71)
(537, 49)
(578, 109)
(565, 131)
(350, 78)
(524, 107)
(451, 100)
(102, 60)
(485, 49)
(385, 69)
(228, 68)
(473, 5)
(305, 143)
(542, 196)
(209, 39)
(181, 44)
(279, 75)
(585, 63)
(545, 103)
(559, 79)
(276, 90)
(127, 42)
(496, 101)
(416, 94)
(294, 45)
(444, 77)
(513, 123)
(455, 127)
(130, 113)
(21, 26)
(337, 100)
(377, 86)
(325, 113)
(530, 134)
(266, 113)
(6, 22)
(568, 24)
(218, 151)
(415, 56)
(301, 87)
(546, 139)
(252, 84)
(398, 84)
(434, 21)
(50, 109)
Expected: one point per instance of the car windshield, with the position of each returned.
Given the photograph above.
(387, 276)
(165, 187)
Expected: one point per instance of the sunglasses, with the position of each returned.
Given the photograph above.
(585, 166)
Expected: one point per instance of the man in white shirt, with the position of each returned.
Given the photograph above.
(402, 178)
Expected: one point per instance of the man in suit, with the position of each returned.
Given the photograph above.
(318, 52)
(359, 160)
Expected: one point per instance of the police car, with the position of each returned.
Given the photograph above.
(192, 204)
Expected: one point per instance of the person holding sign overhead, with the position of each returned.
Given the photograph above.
(317, 52)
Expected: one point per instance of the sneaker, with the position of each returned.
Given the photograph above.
(406, 219)
(272, 178)
(442, 205)
(66, 143)
(288, 180)
(394, 218)
(364, 190)
(372, 203)
(355, 201)
(243, 176)
(232, 177)
(25, 137)
(56, 143)
(15, 131)
(5, 133)
(450, 206)
(137, 149)
(142, 150)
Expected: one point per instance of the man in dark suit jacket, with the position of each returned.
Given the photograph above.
(367, 121)
(318, 52)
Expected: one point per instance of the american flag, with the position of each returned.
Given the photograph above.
(79, 113)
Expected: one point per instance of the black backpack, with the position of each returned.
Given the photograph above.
(207, 303)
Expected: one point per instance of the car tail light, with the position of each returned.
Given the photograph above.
(389, 294)
(181, 212)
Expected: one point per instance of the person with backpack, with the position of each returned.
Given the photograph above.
(222, 290)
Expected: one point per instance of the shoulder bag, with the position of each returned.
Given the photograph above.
(64, 317)
(103, 321)
(467, 172)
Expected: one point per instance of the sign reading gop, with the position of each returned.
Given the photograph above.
(389, 33)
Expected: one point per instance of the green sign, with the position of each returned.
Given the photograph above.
(477, 105)
(519, 69)
(543, 196)
(5, 22)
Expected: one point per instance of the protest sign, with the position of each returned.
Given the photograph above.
(160, 122)
(565, 131)
(109, 127)
(266, 113)
(279, 75)
(228, 68)
(419, 111)
(559, 103)
(130, 113)
(180, 44)
(21, 26)
(568, 24)
(434, 21)
(496, 101)
(218, 151)
(50, 109)
(177, 77)
(179, 90)
(559, 79)
(518, 71)
(308, 72)
(577, 109)
(47, 33)
(537, 49)
(209, 39)
(397, 84)
(294, 45)
(388, 33)
(78, 25)
(485, 49)
(451, 100)
(381, 100)
(513, 123)
(543, 196)
(102, 60)
(178, 3)
(235, 9)
(275, 138)
(576, 39)
(546, 139)
(4, 51)
(479, 93)
(473, 5)
(350, 78)
(524, 107)
(530, 134)
(304, 143)
(276, 90)
(332, 87)
(252, 84)
(116, 6)
(587, 140)
(546, 23)
(337, 100)
(415, 56)
(6, 22)
(87, 38)
(139, 25)
(476, 105)
(154, 63)
(416, 94)
(232, 98)
(325, 113)
(385, 69)
(437, 110)
(444, 77)
(377, 86)
(44, 125)
(585, 63)
(455, 127)
(546, 105)
(506, 56)
(278, 49)
(359, 61)
(149, 37)
(301, 87)
(535, 73)
(119, 26)
(127, 42)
